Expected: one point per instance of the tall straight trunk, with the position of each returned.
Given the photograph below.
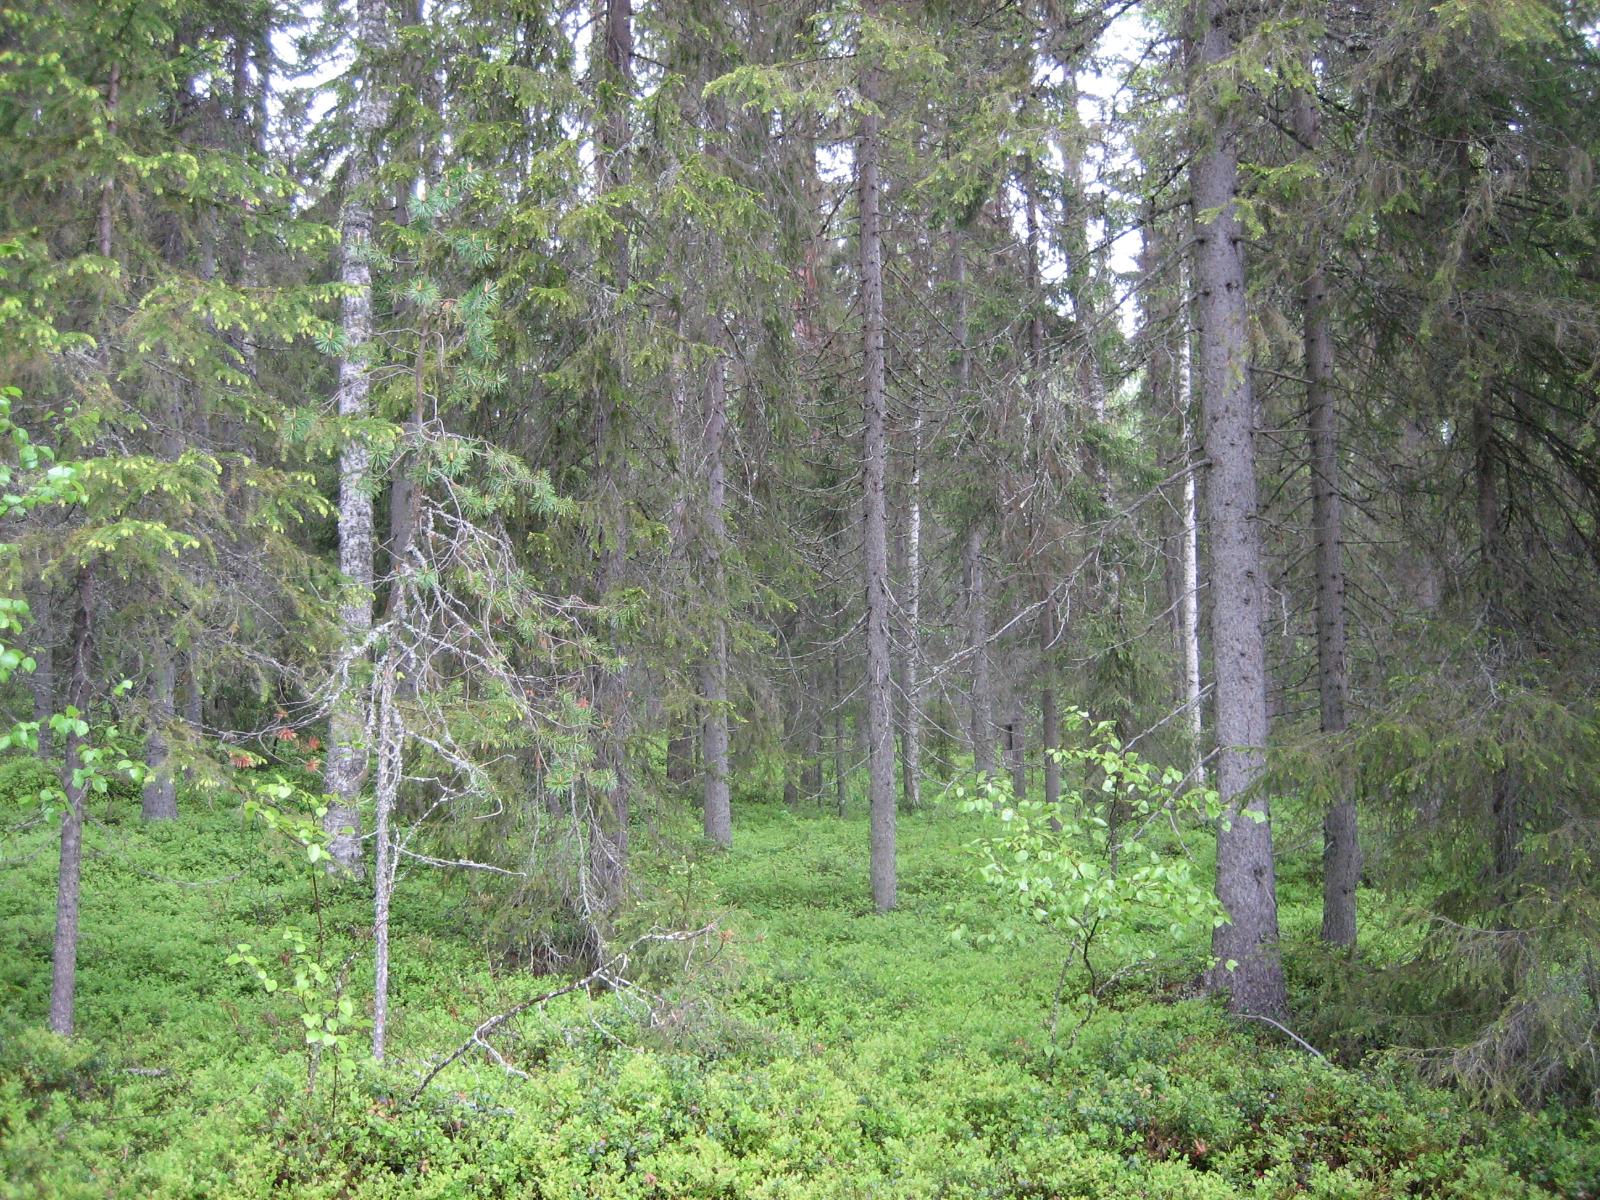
(1170, 320)
(840, 790)
(1341, 847)
(64, 962)
(1167, 345)
(608, 836)
(1049, 718)
(1049, 613)
(982, 721)
(160, 800)
(160, 795)
(345, 771)
(714, 671)
(1504, 807)
(880, 722)
(1189, 604)
(1078, 235)
(80, 649)
(811, 776)
(1248, 967)
(911, 660)
(394, 669)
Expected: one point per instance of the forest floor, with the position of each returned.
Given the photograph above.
(818, 1051)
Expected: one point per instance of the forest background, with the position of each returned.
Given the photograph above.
(731, 598)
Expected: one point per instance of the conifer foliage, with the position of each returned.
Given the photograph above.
(487, 433)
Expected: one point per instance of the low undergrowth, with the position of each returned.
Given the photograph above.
(825, 1052)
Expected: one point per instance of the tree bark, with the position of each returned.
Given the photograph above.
(392, 671)
(160, 800)
(714, 671)
(1341, 847)
(880, 725)
(982, 720)
(680, 758)
(840, 782)
(1049, 614)
(64, 961)
(811, 776)
(608, 834)
(345, 771)
(911, 659)
(1049, 718)
(1016, 753)
(1248, 968)
(1189, 605)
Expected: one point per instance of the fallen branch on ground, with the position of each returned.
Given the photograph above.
(609, 972)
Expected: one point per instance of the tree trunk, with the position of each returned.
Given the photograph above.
(680, 759)
(911, 660)
(840, 788)
(1049, 718)
(1341, 847)
(160, 801)
(64, 962)
(392, 672)
(1167, 325)
(1248, 966)
(880, 727)
(1049, 613)
(982, 722)
(811, 776)
(608, 834)
(1189, 606)
(345, 771)
(1504, 796)
(714, 672)
(1016, 754)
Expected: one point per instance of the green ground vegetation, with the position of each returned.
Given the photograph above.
(810, 1048)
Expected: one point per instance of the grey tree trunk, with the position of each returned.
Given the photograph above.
(840, 787)
(160, 800)
(1049, 613)
(811, 776)
(680, 759)
(1341, 846)
(1168, 326)
(1189, 606)
(80, 649)
(608, 834)
(911, 660)
(880, 720)
(1248, 968)
(392, 671)
(345, 771)
(64, 961)
(714, 671)
(1049, 718)
(1016, 753)
(982, 721)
